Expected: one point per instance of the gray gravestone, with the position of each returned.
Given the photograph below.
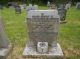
(11, 5)
(35, 7)
(1, 6)
(48, 4)
(53, 6)
(62, 12)
(4, 44)
(18, 9)
(23, 7)
(78, 5)
(68, 6)
(43, 26)
(30, 7)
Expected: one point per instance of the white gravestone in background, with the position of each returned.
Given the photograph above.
(67, 6)
(1, 7)
(4, 44)
(43, 27)
(48, 4)
(78, 5)
(36, 7)
(30, 7)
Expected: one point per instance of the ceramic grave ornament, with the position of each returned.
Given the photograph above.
(43, 26)
(4, 44)
(30, 7)
(78, 5)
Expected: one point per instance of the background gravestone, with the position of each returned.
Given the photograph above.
(48, 4)
(53, 6)
(62, 12)
(24, 3)
(10, 4)
(1, 6)
(78, 5)
(43, 26)
(4, 44)
(35, 7)
(30, 7)
(68, 5)
(18, 9)
(22, 7)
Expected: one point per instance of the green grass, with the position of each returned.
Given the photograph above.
(69, 34)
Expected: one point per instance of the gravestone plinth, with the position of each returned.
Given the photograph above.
(43, 27)
(5, 47)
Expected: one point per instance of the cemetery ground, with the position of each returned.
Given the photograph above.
(69, 33)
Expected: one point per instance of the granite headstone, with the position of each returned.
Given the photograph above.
(18, 9)
(78, 5)
(1, 6)
(68, 5)
(43, 26)
(62, 12)
(30, 7)
(48, 4)
(4, 44)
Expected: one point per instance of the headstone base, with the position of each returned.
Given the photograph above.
(4, 52)
(53, 53)
(61, 22)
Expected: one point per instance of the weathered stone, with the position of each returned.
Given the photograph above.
(1, 6)
(43, 26)
(30, 7)
(48, 4)
(54, 52)
(5, 47)
(12, 4)
(3, 38)
(50, 37)
(53, 6)
(36, 7)
(62, 12)
(67, 6)
(18, 9)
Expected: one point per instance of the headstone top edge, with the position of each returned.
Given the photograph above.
(53, 13)
(44, 10)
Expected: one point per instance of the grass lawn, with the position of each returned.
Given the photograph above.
(69, 34)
